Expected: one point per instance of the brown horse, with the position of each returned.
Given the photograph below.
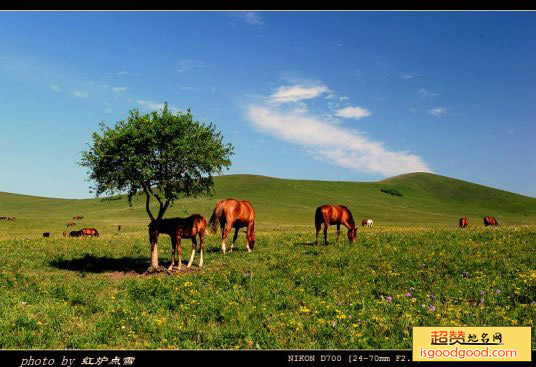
(334, 214)
(177, 229)
(463, 222)
(490, 221)
(71, 224)
(231, 213)
(75, 234)
(90, 232)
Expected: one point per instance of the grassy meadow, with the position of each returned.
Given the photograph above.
(413, 268)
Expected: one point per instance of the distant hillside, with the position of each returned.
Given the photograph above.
(426, 199)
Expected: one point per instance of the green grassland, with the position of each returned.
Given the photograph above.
(288, 293)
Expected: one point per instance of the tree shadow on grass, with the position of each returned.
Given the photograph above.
(93, 264)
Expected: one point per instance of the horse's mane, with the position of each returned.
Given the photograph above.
(351, 219)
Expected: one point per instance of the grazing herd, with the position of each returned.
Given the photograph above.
(229, 214)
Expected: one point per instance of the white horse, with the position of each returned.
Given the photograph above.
(369, 222)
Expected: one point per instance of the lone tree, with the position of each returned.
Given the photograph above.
(164, 155)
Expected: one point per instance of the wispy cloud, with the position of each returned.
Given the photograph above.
(188, 65)
(331, 143)
(81, 94)
(424, 93)
(119, 89)
(437, 111)
(343, 98)
(157, 106)
(250, 17)
(353, 112)
(122, 72)
(297, 93)
(55, 88)
(408, 75)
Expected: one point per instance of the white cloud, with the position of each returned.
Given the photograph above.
(123, 72)
(423, 92)
(343, 98)
(408, 75)
(188, 64)
(438, 111)
(250, 17)
(55, 88)
(351, 112)
(334, 144)
(119, 89)
(297, 93)
(156, 106)
(81, 94)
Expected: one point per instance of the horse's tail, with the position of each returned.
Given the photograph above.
(216, 216)
(96, 233)
(319, 218)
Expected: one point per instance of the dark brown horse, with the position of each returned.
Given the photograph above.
(490, 221)
(231, 213)
(177, 229)
(334, 214)
(463, 222)
(75, 234)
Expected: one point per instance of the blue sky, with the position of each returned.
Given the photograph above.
(353, 96)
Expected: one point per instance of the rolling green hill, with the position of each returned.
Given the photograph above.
(427, 199)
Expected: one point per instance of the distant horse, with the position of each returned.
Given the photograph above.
(463, 222)
(90, 232)
(231, 213)
(369, 223)
(75, 234)
(334, 214)
(177, 229)
(71, 224)
(46, 234)
(84, 232)
(490, 221)
(77, 217)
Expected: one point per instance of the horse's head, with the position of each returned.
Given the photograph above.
(153, 232)
(352, 233)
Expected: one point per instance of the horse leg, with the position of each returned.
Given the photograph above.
(338, 231)
(173, 251)
(224, 234)
(179, 251)
(194, 246)
(326, 226)
(234, 238)
(202, 240)
(317, 227)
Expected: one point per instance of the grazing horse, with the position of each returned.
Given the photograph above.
(490, 221)
(91, 232)
(231, 213)
(71, 224)
(75, 234)
(370, 223)
(334, 214)
(46, 234)
(177, 229)
(77, 217)
(463, 222)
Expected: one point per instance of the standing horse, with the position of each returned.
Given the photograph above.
(463, 222)
(334, 214)
(91, 232)
(231, 213)
(490, 221)
(177, 229)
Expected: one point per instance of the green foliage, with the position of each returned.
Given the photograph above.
(391, 191)
(172, 153)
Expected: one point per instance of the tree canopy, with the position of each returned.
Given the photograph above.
(165, 155)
